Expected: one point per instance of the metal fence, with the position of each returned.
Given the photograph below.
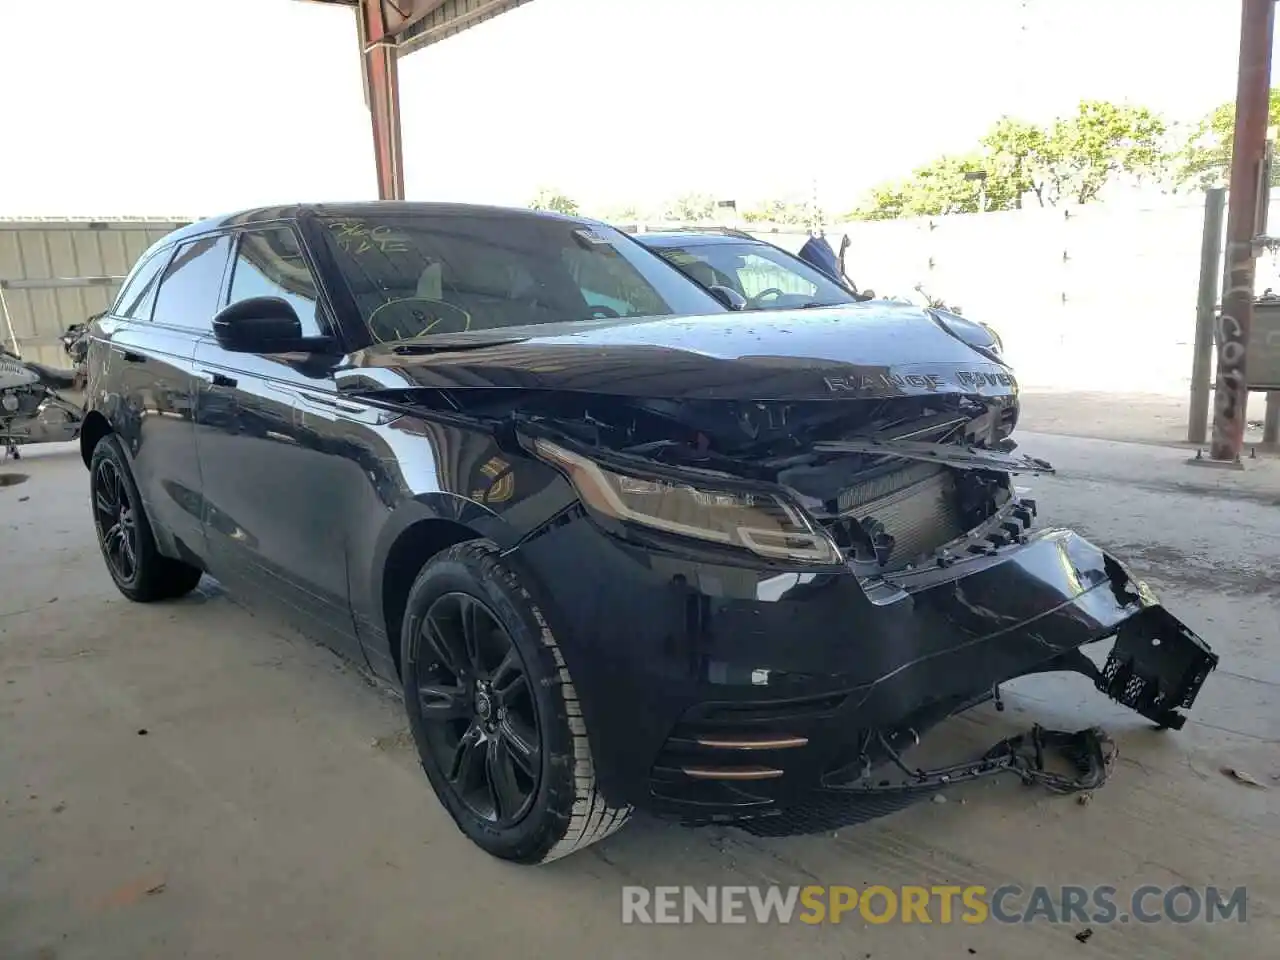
(54, 273)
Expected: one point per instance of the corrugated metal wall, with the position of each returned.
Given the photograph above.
(54, 273)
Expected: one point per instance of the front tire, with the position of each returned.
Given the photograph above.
(138, 569)
(494, 713)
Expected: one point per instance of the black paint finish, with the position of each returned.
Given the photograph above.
(319, 484)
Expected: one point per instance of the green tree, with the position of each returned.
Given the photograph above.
(626, 213)
(1015, 155)
(1205, 159)
(949, 184)
(1084, 152)
(691, 208)
(548, 199)
(782, 212)
(1071, 160)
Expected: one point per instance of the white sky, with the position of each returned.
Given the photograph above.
(200, 106)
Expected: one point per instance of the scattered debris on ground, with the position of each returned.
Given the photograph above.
(1244, 777)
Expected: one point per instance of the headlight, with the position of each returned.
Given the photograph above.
(761, 523)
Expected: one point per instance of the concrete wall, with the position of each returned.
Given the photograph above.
(1095, 297)
(1100, 297)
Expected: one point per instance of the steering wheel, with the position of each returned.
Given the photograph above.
(600, 312)
(409, 317)
(759, 297)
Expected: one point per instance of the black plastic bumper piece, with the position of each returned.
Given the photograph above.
(1089, 753)
(1156, 667)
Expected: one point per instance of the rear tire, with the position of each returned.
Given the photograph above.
(555, 805)
(125, 537)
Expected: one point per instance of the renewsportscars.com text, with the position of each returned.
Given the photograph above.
(936, 904)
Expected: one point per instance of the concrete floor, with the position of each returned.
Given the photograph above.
(188, 780)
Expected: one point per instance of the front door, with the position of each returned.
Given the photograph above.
(278, 458)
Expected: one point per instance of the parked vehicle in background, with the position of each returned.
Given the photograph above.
(766, 277)
(39, 403)
(618, 546)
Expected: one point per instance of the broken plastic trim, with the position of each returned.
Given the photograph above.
(1090, 753)
(952, 454)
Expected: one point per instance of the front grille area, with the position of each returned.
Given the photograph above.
(916, 505)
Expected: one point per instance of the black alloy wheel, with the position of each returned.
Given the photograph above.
(115, 515)
(140, 571)
(495, 717)
(477, 709)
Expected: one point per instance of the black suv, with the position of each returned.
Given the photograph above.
(619, 545)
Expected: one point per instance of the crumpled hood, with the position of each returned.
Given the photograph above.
(871, 350)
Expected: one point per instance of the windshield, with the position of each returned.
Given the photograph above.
(418, 274)
(768, 278)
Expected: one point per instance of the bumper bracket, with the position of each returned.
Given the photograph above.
(1156, 667)
(1089, 753)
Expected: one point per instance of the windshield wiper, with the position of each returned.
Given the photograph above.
(814, 305)
(420, 347)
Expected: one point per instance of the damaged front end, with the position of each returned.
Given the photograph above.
(897, 573)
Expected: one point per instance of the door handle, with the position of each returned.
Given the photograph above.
(354, 411)
(332, 404)
(221, 379)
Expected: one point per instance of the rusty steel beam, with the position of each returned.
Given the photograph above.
(382, 94)
(1231, 393)
(396, 16)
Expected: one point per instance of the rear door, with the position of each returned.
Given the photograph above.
(151, 351)
(283, 459)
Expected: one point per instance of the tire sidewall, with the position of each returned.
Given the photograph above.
(475, 571)
(108, 448)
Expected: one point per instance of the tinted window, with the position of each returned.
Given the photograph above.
(192, 283)
(418, 274)
(139, 291)
(269, 263)
(769, 278)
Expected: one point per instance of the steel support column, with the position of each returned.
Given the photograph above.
(1215, 201)
(1248, 151)
(382, 94)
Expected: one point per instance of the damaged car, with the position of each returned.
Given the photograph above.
(619, 546)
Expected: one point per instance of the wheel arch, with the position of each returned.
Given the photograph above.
(95, 427)
(416, 532)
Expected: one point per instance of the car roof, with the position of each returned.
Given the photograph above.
(692, 238)
(366, 208)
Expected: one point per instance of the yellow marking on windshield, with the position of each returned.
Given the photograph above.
(356, 236)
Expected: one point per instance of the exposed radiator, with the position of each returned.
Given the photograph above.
(916, 505)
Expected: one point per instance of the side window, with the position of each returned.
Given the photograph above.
(758, 274)
(605, 279)
(698, 268)
(192, 285)
(269, 263)
(139, 292)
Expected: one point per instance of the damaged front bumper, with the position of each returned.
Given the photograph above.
(715, 692)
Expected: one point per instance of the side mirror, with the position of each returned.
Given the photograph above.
(263, 325)
(867, 294)
(728, 296)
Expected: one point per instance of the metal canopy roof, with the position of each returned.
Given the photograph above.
(413, 24)
(388, 30)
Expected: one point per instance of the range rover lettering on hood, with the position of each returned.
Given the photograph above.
(969, 379)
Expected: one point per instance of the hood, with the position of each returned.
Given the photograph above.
(870, 350)
(972, 332)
